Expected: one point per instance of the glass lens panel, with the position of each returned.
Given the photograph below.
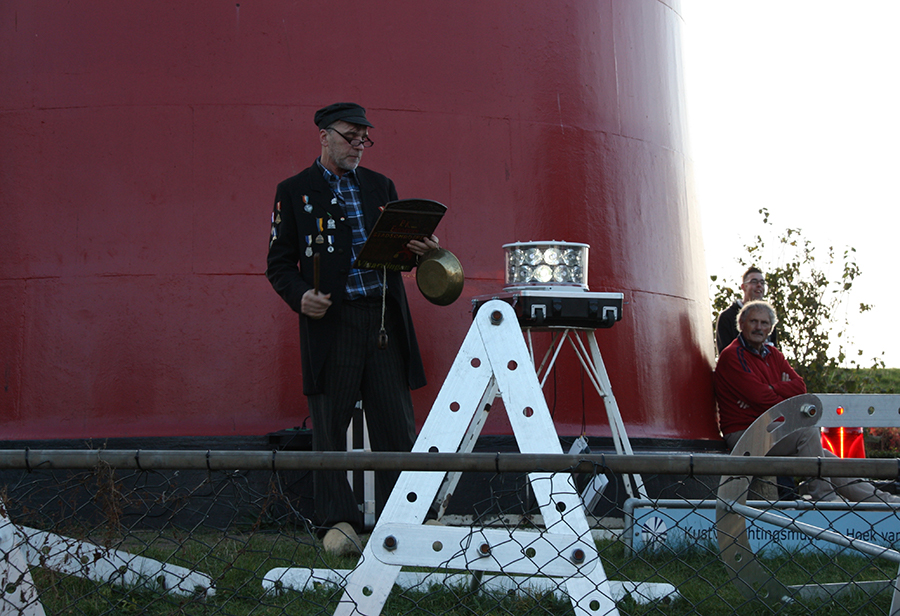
(534, 256)
(571, 257)
(543, 273)
(561, 274)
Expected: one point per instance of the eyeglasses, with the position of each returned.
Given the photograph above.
(364, 142)
(756, 281)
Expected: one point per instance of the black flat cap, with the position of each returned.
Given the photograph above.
(348, 112)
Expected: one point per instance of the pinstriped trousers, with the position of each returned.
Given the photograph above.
(357, 369)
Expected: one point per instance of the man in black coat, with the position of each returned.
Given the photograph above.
(356, 334)
(753, 285)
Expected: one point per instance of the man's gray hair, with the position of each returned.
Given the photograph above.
(757, 305)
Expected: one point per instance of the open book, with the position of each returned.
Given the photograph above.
(399, 222)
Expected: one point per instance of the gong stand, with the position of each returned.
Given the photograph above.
(493, 361)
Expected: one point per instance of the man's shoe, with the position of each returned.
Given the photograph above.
(342, 540)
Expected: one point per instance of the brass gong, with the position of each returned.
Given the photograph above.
(440, 277)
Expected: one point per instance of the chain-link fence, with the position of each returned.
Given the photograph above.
(106, 532)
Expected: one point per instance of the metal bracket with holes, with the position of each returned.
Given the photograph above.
(732, 512)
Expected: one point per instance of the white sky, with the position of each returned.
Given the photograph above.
(793, 106)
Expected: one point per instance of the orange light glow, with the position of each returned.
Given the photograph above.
(844, 442)
(840, 410)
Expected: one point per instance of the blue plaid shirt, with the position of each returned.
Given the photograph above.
(360, 282)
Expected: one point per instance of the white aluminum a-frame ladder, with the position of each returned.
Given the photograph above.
(493, 361)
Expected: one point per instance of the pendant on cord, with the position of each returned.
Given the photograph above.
(382, 335)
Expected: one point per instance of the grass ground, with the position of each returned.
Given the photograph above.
(238, 562)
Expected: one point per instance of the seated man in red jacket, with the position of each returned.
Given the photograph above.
(751, 377)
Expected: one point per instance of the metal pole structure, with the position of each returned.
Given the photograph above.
(592, 363)
(652, 464)
(872, 549)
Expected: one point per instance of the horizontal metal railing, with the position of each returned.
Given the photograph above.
(660, 464)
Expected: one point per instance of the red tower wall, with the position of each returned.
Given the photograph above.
(142, 143)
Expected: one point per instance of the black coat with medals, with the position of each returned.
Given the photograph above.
(303, 209)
